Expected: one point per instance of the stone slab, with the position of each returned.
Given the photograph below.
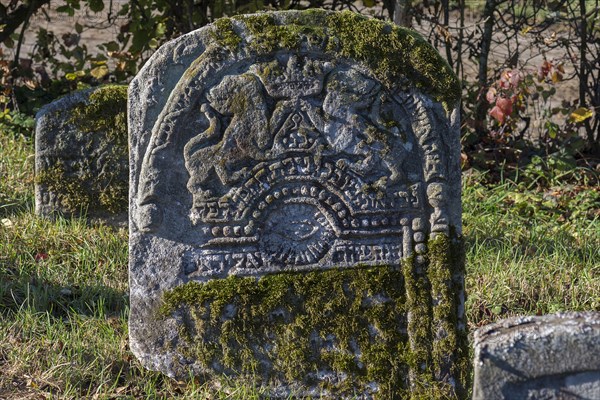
(295, 212)
(551, 357)
(81, 156)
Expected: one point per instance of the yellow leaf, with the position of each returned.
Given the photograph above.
(581, 114)
(525, 30)
(556, 77)
(99, 72)
(71, 76)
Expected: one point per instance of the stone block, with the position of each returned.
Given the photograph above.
(550, 357)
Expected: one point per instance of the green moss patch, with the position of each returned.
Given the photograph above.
(105, 111)
(348, 323)
(446, 273)
(394, 54)
(286, 327)
(397, 56)
(224, 33)
(73, 196)
(267, 35)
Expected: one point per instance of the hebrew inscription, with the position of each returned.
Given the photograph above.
(285, 194)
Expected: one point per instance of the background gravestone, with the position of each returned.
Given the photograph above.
(553, 357)
(81, 155)
(295, 211)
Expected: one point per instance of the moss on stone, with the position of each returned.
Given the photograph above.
(94, 178)
(105, 111)
(225, 35)
(268, 36)
(348, 322)
(446, 274)
(105, 115)
(418, 305)
(68, 189)
(397, 56)
(351, 323)
(78, 191)
(434, 283)
(393, 53)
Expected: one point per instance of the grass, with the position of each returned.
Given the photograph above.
(63, 284)
(530, 251)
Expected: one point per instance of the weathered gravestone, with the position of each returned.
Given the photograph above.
(552, 357)
(81, 155)
(295, 208)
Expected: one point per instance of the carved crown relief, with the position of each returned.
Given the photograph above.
(299, 161)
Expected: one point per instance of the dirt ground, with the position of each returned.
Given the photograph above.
(96, 30)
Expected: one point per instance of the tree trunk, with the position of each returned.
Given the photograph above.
(402, 13)
(482, 78)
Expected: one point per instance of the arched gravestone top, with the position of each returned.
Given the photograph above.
(278, 162)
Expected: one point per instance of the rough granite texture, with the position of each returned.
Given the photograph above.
(81, 156)
(550, 357)
(295, 214)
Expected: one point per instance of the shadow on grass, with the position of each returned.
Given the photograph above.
(33, 292)
(14, 206)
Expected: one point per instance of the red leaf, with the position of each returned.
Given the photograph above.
(498, 114)
(506, 105)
